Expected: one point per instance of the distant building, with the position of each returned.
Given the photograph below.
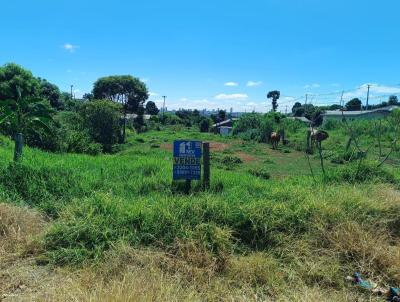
(223, 128)
(362, 114)
(301, 119)
(132, 116)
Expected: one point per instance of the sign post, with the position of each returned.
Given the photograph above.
(206, 165)
(187, 162)
(187, 158)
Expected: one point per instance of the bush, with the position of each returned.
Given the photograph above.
(44, 139)
(260, 172)
(358, 173)
(230, 159)
(204, 125)
(247, 122)
(42, 186)
(102, 120)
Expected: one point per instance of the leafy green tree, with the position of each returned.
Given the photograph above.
(13, 76)
(295, 107)
(51, 93)
(88, 96)
(204, 125)
(221, 115)
(354, 105)
(274, 95)
(23, 114)
(124, 89)
(102, 120)
(393, 100)
(335, 107)
(151, 108)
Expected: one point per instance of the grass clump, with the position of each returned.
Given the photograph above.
(260, 172)
(361, 172)
(45, 187)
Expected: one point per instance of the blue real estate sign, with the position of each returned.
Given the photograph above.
(187, 157)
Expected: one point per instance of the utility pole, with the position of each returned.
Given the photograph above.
(286, 110)
(163, 110)
(368, 95)
(306, 97)
(71, 91)
(341, 100)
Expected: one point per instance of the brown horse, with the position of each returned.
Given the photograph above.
(317, 136)
(274, 139)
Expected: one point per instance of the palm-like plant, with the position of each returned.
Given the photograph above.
(22, 114)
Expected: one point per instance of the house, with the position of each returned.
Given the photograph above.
(302, 119)
(132, 116)
(224, 127)
(362, 114)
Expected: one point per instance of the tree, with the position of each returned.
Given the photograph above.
(353, 105)
(393, 100)
(88, 96)
(22, 114)
(295, 107)
(51, 93)
(102, 119)
(22, 110)
(13, 76)
(221, 115)
(151, 108)
(274, 95)
(204, 125)
(124, 89)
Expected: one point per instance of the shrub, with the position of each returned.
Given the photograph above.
(204, 125)
(266, 129)
(260, 172)
(102, 120)
(42, 186)
(357, 173)
(247, 122)
(230, 159)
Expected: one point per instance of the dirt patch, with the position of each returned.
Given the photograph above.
(245, 157)
(214, 146)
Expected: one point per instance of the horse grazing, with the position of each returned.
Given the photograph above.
(274, 139)
(317, 136)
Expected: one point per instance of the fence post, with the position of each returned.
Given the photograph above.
(206, 165)
(19, 142)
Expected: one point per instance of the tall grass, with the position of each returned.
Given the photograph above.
(262, 235)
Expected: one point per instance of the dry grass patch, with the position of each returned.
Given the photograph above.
(18, 229)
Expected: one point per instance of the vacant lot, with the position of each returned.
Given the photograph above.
(115, 228)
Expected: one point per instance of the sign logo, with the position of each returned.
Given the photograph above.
(187, 157)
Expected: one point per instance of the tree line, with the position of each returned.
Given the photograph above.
(35, 111)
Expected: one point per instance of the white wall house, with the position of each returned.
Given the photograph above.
(363, 114)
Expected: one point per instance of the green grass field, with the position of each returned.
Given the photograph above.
(264, 230)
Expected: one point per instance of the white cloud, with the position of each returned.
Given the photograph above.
(253, 83)
(70, 47)
(315, 85)
(144, 80)
(375, 90)
(231, 84)
(183, 99)
(69, 70)
(153, 93)
(233, 96)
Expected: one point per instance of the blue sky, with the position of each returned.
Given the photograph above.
(211, 53)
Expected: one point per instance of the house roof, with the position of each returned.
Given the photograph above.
(300, 118)
(231, 120)
(134, 115)
(359, 112)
